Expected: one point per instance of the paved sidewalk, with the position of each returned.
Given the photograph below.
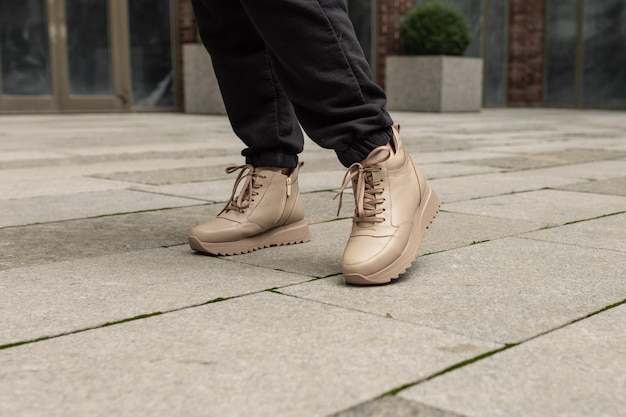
(515, 307)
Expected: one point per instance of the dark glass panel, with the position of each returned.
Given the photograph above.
(24, 48)
(604, 43)
(152, 73)
(496, 61)
(88, 47)
(561, 16)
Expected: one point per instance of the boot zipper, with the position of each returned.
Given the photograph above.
(288, 186)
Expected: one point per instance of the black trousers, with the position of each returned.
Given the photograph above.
(280, 62)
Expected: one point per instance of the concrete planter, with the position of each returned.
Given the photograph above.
(434, 83)
(202, 94)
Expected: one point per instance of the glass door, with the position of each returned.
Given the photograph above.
(90, 54)
(64, 55)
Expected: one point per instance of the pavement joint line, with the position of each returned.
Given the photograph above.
(274, 290)
(343, 307)
(450, 368)
(613, 158)
(544, 227)
(568, 244)
(561, 188)
(336, 219)
(130, 319)
(531, 190)
(174, 195)
(100, 216)
(595, 218)
(490, 353)
(470, 174)
(231, 258)
(329, 190)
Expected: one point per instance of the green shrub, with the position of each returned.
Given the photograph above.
(434, 28)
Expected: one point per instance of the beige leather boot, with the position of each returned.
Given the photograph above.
(394, 206)
(267, 212)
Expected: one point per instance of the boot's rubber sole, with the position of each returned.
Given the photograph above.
(424, 216)
(288, 234)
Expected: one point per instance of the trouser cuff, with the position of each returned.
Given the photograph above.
(272, 159)
(358, 151)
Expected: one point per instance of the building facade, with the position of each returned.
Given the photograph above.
(125, 55)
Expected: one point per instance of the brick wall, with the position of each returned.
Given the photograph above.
(526, 51)
(388, 37)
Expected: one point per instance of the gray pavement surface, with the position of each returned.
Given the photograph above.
(516, 305)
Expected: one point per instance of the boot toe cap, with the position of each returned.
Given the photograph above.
(368, 255)
(223, 230)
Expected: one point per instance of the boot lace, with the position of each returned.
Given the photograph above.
(241, 201)
(365, 187)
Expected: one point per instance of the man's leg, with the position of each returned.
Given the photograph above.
(323, 70)
(265, 208)
(318, 61)
(258, 109)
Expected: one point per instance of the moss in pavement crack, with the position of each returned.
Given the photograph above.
(449, 369)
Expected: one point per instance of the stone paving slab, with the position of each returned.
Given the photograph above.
(208, 191)
(68, 296)
(103, 170)
(588, 171)
(84, 238)
(260, 355)
(613, 186)
(492, 269)
(47, 187)
(322, 256)
(550, 207)
(89, 204)
(603, 233)
(208, 155)
(322, 181)
(193, 148)
(456, 230)
(452, 156)
(393, 406)
(221, 189)
(443, 170)
(574, 372)
(424, 143)
(547, 159)
(322, 207)
(176, 176)
(20, 155)
(487, 185)
(506, 290)
(551, 145)
(50, 242)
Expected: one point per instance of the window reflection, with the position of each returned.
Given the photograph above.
(496, 61)
(89, 55)
(604, 69)
(561, 17)
(151, 53)
(24, 47)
